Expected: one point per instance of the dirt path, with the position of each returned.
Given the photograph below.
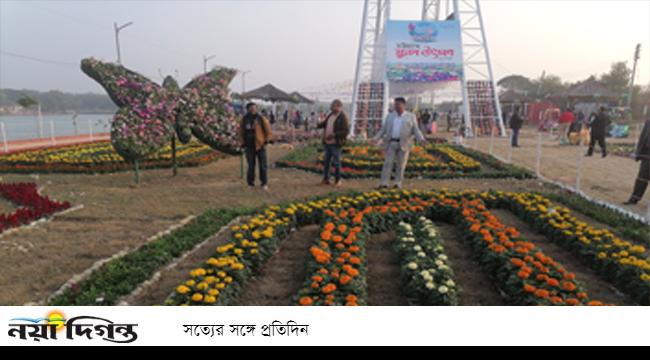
(283, 275)
(610, 179)
(477, 289)
(597, 288)
(384, 285)
(157, 293)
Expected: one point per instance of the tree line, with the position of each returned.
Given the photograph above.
(55, 101)
(617, 80)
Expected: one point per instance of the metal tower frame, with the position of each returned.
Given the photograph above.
(372, 51)
(475, 52)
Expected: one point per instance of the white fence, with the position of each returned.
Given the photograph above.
(606, 181)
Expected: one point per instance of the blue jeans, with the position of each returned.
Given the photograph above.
(332, 158)
(515, 137)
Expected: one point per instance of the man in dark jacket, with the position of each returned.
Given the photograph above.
(254, 134)
(598, 132)
(516, 122)
(336, 130)
(642, 155)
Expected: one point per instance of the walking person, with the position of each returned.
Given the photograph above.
(516, 122)
(450, 121)
(313, 121)
(336, 128)
(566, 119)
(598, 132)
(425, 121)
(642, 155)
(397, 135)
(433, 128)
(255, 133)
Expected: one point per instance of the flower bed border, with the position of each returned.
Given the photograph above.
(297, 160)
(195, 160)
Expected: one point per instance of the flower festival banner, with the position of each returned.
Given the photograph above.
(423, 51)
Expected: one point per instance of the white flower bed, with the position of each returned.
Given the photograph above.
(426, 273)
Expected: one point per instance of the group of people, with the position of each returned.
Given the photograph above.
(428, 121)
(398, 135)
(570, 123)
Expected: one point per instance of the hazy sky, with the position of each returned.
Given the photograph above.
(297, 44)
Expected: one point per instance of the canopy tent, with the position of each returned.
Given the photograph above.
(299, 98)
(512, 96)
(269, 93)
(511, 100)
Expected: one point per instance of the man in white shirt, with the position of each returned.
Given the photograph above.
(398, 135)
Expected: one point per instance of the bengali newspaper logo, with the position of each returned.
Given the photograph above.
(424, 32)
(55, 325)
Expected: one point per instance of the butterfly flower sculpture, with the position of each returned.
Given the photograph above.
(150, 115)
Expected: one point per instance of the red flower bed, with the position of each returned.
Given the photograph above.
(33, 206)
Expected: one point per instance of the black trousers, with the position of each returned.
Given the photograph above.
(601, 142)
(252, 156)
(642, 180)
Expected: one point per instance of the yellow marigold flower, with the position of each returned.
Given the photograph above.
(213, 292)
(228, 280)
(202, 286)
(197, 297)
(190, 283)
(221, 286)
(602, 255)
(239, 236)
(254, 251)
(210, 299)
(182, 289)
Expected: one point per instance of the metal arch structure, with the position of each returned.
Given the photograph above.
(431, 9)
(476, 56)
(371, 53)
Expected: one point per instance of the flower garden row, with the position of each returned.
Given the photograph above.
(437, 161)
(32, 206)
(336, 273)
(100, 157)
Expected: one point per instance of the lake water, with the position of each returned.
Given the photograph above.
(27, 127)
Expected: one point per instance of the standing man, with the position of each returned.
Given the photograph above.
(598, 132)
(255, 133)
(337, 129)
(516, 122)
(397, 134)
(642, 155)
(450, 121)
